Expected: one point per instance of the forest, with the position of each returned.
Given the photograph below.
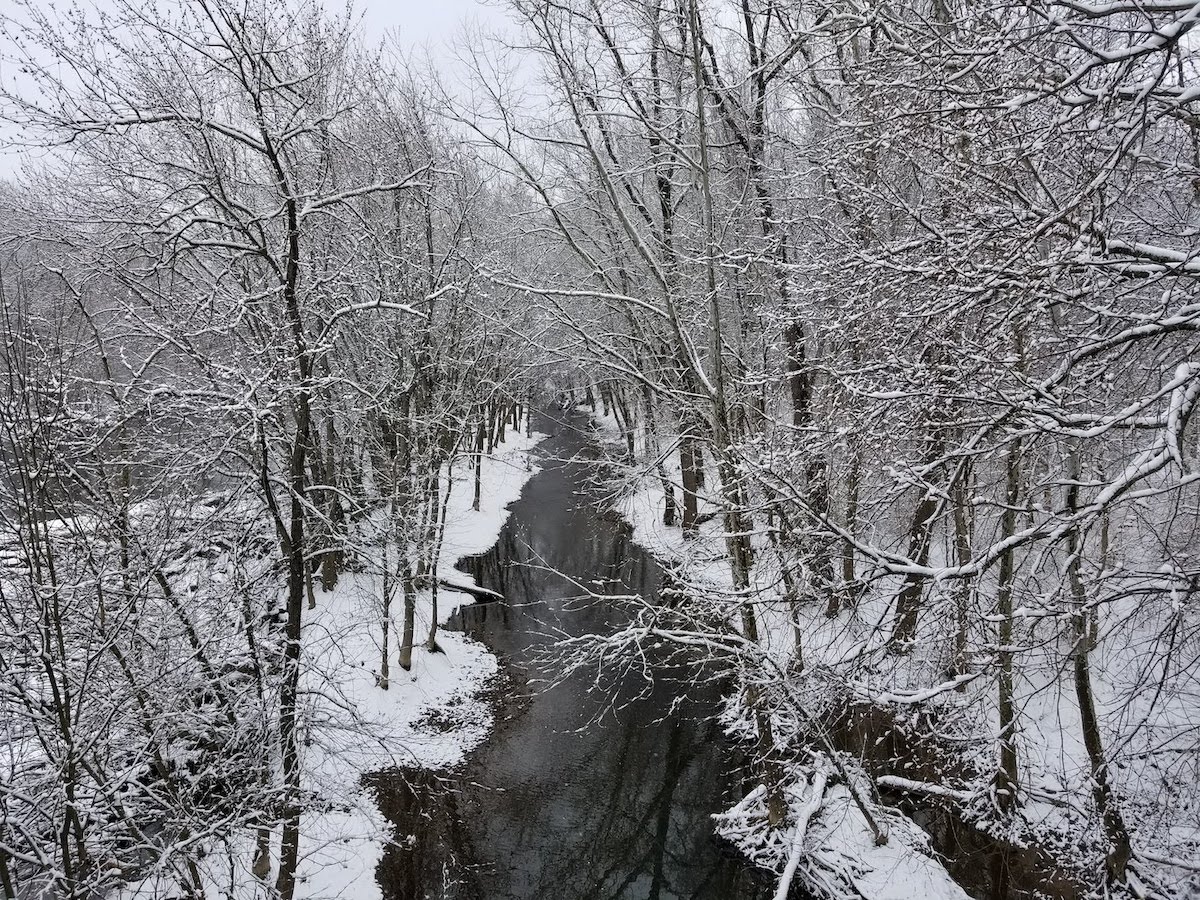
(875, 325)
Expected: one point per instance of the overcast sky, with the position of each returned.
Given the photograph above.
(419, 25)
(424, 22)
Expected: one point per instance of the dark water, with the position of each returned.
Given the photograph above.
(598, 787)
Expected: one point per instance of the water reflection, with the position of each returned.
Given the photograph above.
(595, 788)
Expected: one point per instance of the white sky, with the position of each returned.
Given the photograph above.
(421, 26)
(431, 23)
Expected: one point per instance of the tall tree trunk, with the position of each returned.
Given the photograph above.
(1117, 835)
(1008, 774)
(297, 564)
(960, 497)
(737, 537)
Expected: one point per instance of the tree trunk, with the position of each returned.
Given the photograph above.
(737, 538)
(920, 533)
(333, 559)
(908, 602)
(687, 465)
(1117, 835)
(960, 496)
(410, 611)
(479, 439)
(289, 690)
(1008, 774)
(654, 449)
(387, 616)
(849, 571)
(440, 524)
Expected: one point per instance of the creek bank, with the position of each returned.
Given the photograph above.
(893, 752)
(428, 718)
(952, 854)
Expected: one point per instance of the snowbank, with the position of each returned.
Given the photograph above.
(341, 848)
(429, 717)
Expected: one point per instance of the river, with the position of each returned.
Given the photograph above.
(596, 787)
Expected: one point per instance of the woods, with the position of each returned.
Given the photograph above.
(888, 311)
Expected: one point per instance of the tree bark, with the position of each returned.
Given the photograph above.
(1119, 849)
(687, 466)
(1008, 774)
(959, 496)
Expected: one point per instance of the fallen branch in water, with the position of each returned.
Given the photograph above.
(474, 590)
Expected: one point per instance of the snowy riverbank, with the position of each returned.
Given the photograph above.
(825, 843)
(429, 717)
(342, 845)
(849, 671)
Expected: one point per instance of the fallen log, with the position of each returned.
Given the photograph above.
(479, 593)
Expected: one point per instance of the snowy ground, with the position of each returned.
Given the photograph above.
(341, 848)
(353, 727)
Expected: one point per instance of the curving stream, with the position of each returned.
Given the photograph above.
(585, 791)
